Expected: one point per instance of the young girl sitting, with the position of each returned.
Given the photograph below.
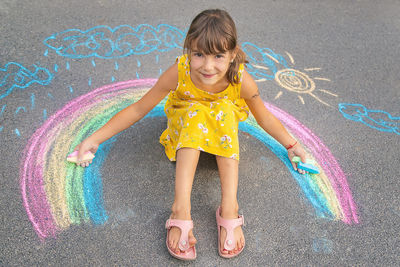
(209, 92)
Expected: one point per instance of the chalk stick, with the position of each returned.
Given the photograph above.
(297, 160)
(306, 166)
(73, 157)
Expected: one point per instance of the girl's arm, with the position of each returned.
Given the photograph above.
(267, 121)
(131, 114)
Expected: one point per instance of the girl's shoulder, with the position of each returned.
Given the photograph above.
(168, 79)
(249, 86)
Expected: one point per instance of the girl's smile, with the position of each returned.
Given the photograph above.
(208, 76)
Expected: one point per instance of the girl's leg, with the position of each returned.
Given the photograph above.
(186, 163)
(228, 172)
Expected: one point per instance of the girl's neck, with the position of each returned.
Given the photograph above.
(216, 88)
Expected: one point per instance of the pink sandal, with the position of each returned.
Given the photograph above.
(189, 253)
(229, 225)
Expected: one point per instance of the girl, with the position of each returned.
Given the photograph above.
(209, 92)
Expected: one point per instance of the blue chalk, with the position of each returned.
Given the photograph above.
(308, 167)
(305, 166)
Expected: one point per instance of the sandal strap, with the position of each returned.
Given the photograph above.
(229, 225)
(185, 226)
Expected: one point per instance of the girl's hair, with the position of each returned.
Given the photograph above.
(211, 32)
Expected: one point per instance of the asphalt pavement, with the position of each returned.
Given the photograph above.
(328, 69)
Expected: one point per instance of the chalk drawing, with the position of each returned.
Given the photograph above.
(376, 119)
(20, 108)
(121, 215)
(114, 43)
(111, 43)
(266, 65)
(55, 193)
(322, 245)
(258, 242)
(2, 109)
(14, 75)
(32, 101)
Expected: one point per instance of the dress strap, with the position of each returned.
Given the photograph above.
(238, 85)
(183, 70)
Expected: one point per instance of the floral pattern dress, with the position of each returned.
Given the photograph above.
(202, 120)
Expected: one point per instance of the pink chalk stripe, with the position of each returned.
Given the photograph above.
(31, 174)
(324, 158)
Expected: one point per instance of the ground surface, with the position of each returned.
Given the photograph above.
(349, 50)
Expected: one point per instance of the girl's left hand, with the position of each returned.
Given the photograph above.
(297, 150)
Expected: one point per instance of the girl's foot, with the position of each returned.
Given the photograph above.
(231, 213)
(175, 232)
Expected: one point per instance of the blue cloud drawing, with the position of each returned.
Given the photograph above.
(264, 63)
(14, 75)
(376, 119)
(112, 43)
(108, 43)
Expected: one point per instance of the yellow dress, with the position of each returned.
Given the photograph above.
(202, 120)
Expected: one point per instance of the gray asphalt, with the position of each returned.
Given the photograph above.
(354, 45)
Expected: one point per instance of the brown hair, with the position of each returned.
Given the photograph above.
(213, 31)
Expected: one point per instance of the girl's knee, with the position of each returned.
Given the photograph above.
(228, 162)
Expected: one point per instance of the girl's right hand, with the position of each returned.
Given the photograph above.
(82, 148)
(299, 151)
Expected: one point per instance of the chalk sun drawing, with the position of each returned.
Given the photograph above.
(265, 65)
(57, 194)
(376, 119)
(14, 75)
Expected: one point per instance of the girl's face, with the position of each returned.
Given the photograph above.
(209, 71)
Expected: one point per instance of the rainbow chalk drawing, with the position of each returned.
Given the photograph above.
(376, 119)
(57, 193)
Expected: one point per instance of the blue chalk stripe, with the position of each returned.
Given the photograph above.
(308, 185)
(93, 187)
